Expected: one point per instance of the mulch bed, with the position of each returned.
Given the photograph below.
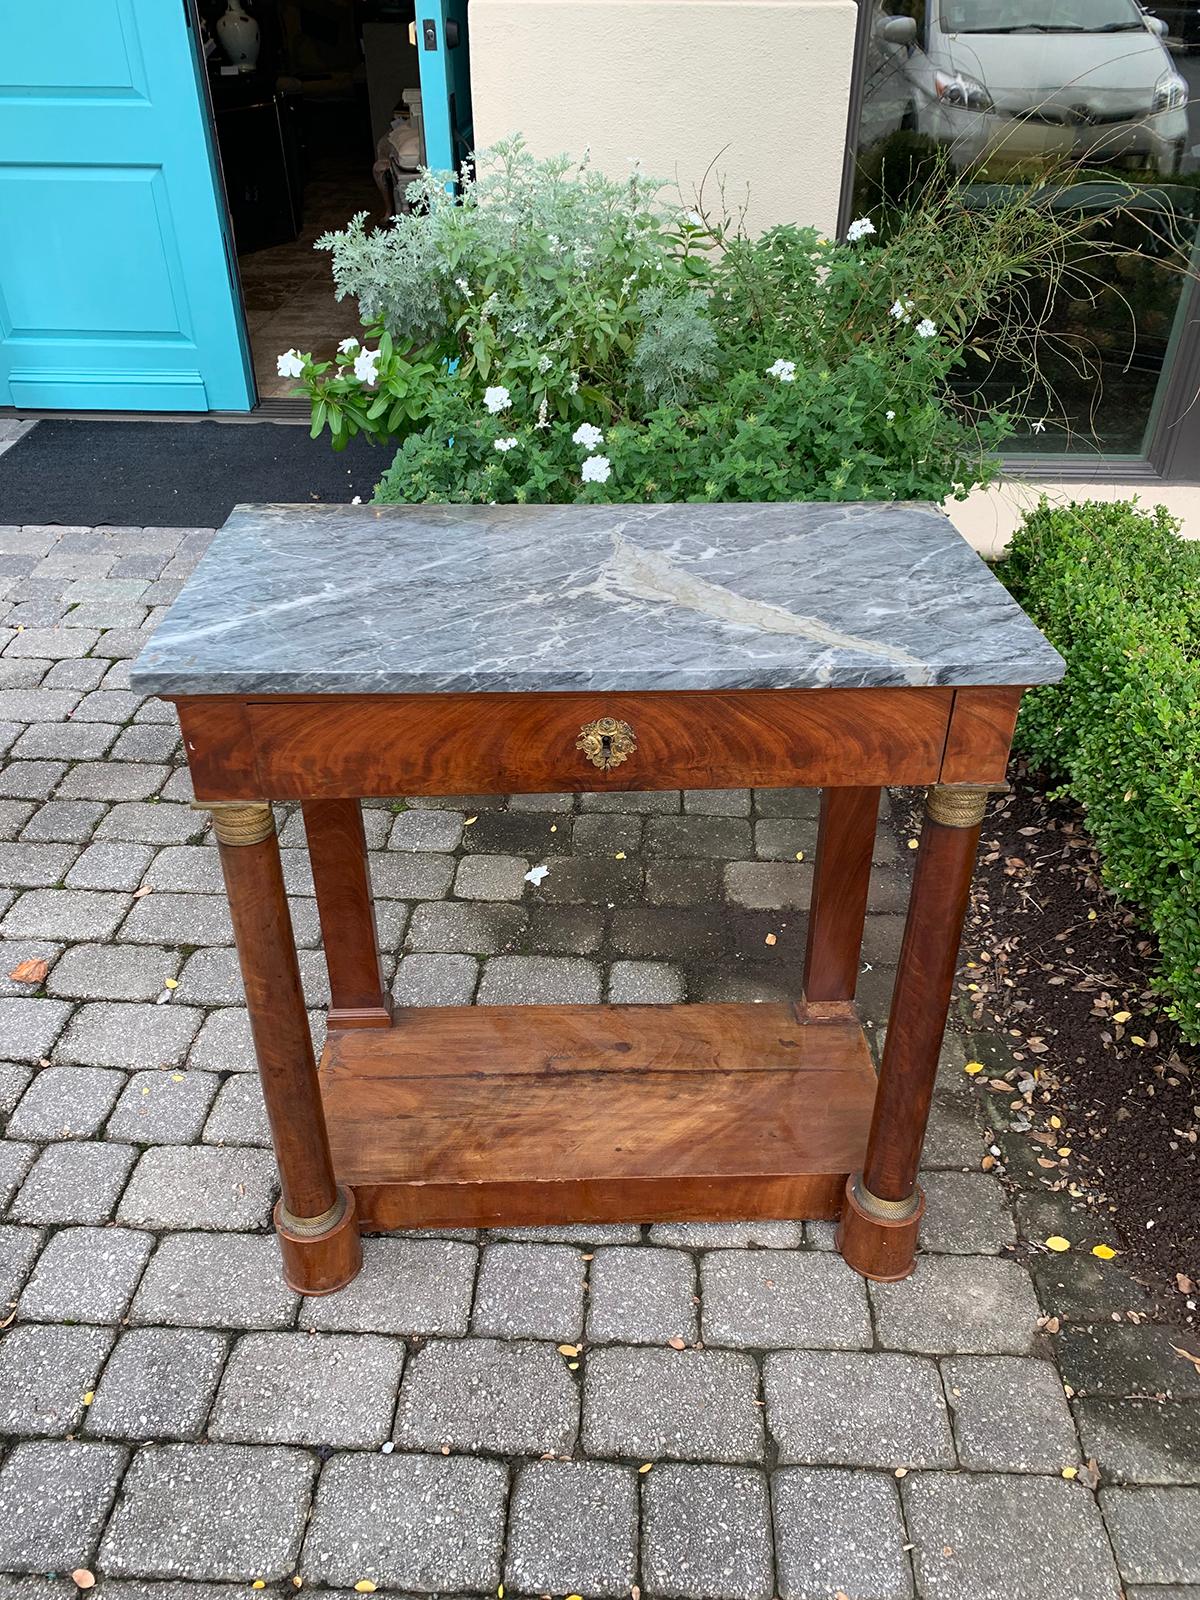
(1102, 1081)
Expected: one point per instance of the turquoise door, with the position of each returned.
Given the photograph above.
(445, 82)
(116, 287)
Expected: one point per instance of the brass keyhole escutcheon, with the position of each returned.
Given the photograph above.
(606, 742)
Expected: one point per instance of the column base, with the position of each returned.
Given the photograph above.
(379, 1016)
(325, 1262)
(881, 1248)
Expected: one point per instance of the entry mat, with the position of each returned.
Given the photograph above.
(174, 474)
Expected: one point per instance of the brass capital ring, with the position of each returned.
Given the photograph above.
(955, 808)
(240, 822)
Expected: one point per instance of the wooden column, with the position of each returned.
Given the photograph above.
(337, 848)
(839, 897)
(878, 1233)
(314, 1218)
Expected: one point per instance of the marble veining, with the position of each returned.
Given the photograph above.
(438, 599)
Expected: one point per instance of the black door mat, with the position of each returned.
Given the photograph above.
(174, 474)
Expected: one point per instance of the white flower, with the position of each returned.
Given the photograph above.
(462, 286)
(505, 445)
(926, 329)
(347, 345)
(543, 416)
(597, 469)
(891, 416)
(544, 364)
(785, 371)
(573, 386)
(290, 364)
(859, 230)
(357, 501)
(901, 309)
(696, 220)
(588, 435)
(366, 366)
(1037, 427)
(497, 399)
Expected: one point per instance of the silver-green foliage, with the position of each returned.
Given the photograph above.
(542, 274)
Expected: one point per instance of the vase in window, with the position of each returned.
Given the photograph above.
(239, 35)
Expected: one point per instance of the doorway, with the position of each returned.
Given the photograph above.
(317, 115)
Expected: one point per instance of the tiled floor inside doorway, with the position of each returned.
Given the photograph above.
(288, 289)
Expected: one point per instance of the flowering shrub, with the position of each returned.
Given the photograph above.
(550, 311)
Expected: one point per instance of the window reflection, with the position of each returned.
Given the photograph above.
(1004, 91)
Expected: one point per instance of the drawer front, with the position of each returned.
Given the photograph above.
(499, 744)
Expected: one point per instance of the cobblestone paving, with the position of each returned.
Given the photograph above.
(175, 1419)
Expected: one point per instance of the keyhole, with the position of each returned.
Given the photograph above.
(606, 749)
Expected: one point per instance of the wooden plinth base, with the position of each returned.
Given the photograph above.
(359, 1016)
(882, 1249)
(325, 1263)
(476, 1116)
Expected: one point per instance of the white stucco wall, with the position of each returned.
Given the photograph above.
(988, 517)
(762, 86)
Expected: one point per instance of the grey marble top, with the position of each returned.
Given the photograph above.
(421, 599)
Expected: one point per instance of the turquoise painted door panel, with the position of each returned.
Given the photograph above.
(445, 82)
(116, 291)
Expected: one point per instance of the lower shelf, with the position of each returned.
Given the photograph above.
(483, 1116)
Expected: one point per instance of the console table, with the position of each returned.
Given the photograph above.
(324, 654)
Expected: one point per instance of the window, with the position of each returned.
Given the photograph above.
(1004, 91)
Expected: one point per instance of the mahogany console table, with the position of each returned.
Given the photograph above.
(326, 654)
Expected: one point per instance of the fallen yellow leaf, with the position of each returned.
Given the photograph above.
(1133, 1039)
(620, 856)
(1057, 1242)
(170, 983)
(89, 1397)
(1122, 1016)
(365, 1586)
(1056, 1122)
(972, 1067)
(1070, 1472)
(259, 1583)
(83, 1579)
(1104, 1251)
(568, 1349)
(770, 939)
(645, 1466)
(32, 971)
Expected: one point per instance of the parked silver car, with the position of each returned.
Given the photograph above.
(1014, 79)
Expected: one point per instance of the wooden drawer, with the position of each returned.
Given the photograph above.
(514, 743)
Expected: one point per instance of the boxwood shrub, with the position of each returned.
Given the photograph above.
(1118, 592)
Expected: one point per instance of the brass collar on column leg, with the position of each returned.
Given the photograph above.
(312, 1227)
(239, 821)
(955, 808)
(890, 1210)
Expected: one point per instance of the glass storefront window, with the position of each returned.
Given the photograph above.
(1099, 92)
